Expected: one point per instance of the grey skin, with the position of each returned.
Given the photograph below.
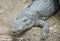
(35, 14)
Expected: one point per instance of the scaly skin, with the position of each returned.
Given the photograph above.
(34, 15)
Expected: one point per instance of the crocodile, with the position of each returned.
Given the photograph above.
(35, 14)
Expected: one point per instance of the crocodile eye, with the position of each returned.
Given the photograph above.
(27, 24)
(16, 18)
(25, 20)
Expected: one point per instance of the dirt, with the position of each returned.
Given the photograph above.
(8, 12)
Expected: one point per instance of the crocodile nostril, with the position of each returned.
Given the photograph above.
(13, 32)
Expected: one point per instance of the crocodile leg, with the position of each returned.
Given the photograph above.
(28, 4)
(45, 29)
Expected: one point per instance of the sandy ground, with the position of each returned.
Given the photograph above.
(9, 10)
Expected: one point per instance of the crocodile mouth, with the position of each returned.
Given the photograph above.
(18, 33)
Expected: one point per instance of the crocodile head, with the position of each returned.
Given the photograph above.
(21, 25)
